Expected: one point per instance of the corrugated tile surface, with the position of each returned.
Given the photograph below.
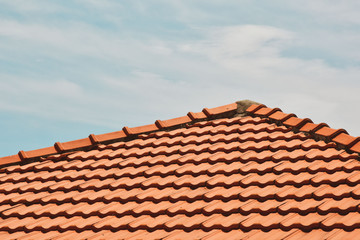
(232, 178)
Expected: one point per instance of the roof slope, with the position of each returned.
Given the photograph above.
(221, 173)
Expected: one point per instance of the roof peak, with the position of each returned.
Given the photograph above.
(243, 105)
(241, 108)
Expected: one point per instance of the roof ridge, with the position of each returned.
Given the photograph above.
(126, 133)
(319, 131)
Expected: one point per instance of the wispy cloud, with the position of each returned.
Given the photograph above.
(334, 12)
(125, 65)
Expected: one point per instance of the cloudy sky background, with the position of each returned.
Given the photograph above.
(71, 68)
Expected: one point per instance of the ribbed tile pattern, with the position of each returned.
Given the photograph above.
(222, 179)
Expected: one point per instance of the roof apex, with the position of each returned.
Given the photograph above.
(238, 109)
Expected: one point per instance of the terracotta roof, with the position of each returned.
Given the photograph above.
(220, 173)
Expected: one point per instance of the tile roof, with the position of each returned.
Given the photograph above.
(224, 172)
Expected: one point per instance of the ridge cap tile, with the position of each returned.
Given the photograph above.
(209, 112)
(312, 127)
(140, 129)
(74, 144)
(254, 107)
(172, 122)
(265, 111)
(281, 116)
(345, 139)
(356, 147)
(23, 156)
(111, 136)
(94, 139)
(296, 122)
(195, 116)
(328, 133)
(59, 147)
(10, 159)
(41, 152)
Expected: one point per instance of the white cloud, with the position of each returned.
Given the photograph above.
(253, 56)
(161, 78)
(61, 88)
(75, 39)
(230, 46)
(40, 97)
(227, 64)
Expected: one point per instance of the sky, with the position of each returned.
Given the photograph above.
(76, 67)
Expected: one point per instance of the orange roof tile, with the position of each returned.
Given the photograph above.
(215, 174)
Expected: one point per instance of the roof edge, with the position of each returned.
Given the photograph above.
(320, 131)
(126, 134)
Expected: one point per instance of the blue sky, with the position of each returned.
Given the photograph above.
(71, 68)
